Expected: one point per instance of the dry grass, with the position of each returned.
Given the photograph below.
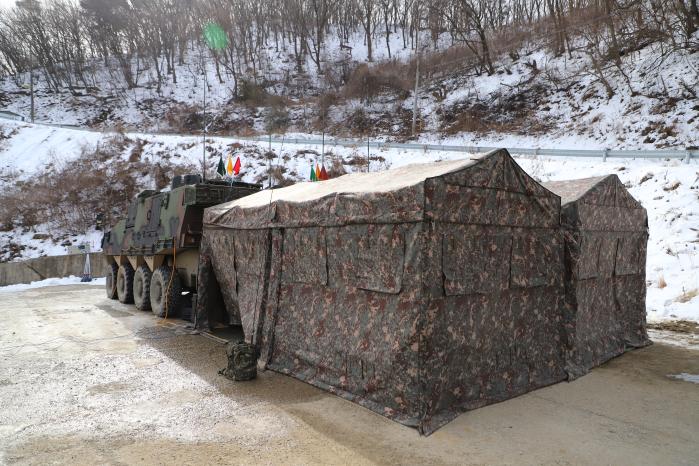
(71, 195)
(336, 167)
(672, 186)
(687, 296)
(366, 82)
(661, 282)
(507, 111)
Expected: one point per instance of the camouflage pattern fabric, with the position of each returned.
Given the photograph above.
(606, 232)
(418, 303)
(242, 361)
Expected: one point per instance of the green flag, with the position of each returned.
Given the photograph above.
(313, 174)
(215, 36)
(221, 169)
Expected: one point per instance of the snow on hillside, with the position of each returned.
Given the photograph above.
(144, 107)
(536, 98)
(669, 190)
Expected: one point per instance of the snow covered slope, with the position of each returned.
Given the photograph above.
(536, 97)
(669, 190)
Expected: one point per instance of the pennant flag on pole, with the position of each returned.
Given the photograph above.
(236, 167)
(221, 170)
(229, 166)
(324, 174)
(313, 174)
(318, 178)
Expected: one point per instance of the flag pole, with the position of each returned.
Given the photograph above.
(203, 143)
(367, 153)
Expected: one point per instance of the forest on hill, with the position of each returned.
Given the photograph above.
(301, 58)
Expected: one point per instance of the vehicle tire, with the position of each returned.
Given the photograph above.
(141, 288)
(111, 281)
(165, 302)
(125, 284)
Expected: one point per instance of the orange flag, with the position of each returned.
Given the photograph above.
(229, 166)
(318, 173)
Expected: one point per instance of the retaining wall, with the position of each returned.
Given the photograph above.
(12, 273)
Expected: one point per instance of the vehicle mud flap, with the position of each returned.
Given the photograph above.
(242, 361)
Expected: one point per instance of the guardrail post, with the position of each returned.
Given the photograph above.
(604, 155)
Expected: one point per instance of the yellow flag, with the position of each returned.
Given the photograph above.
(229, 166)
(318, 173)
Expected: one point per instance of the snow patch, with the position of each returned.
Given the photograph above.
(693, 378)
(71, 280)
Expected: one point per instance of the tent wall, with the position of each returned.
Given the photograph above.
(348, 312)
(606, 241)
(494, 267)
(337, 307)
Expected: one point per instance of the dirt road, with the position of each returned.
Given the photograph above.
(86, 380)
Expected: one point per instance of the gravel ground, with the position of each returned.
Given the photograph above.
(86, 380)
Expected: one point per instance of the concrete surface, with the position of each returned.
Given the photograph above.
(12, 273)
(86, 380)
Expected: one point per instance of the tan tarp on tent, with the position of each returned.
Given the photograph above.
(418, 292)
(606, 233)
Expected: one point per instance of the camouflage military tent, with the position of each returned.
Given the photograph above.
(606, 235)
(418, 292)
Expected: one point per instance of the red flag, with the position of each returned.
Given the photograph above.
(236, 167)
(324, 174)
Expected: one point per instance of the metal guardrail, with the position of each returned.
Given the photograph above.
(686, 154)
(680, 154)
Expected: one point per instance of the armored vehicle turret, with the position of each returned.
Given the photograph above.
(153, 253)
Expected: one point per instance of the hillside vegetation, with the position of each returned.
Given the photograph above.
(617, 73)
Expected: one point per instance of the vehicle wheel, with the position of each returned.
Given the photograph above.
(111, 281)
(125, 284)
(164, 301)
(141, 288)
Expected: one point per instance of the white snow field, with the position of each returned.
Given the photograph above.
(669, 190)
(71, 280)
(693, 378)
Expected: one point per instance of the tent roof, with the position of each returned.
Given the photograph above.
(392, 196)
(572, 190)
(361, 183)
(599, 204)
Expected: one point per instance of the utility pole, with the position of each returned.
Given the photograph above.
(31, 86)
(205, 128)
(417, 67)
(269, 161)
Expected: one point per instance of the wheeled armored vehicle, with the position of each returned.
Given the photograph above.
(153, 253)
